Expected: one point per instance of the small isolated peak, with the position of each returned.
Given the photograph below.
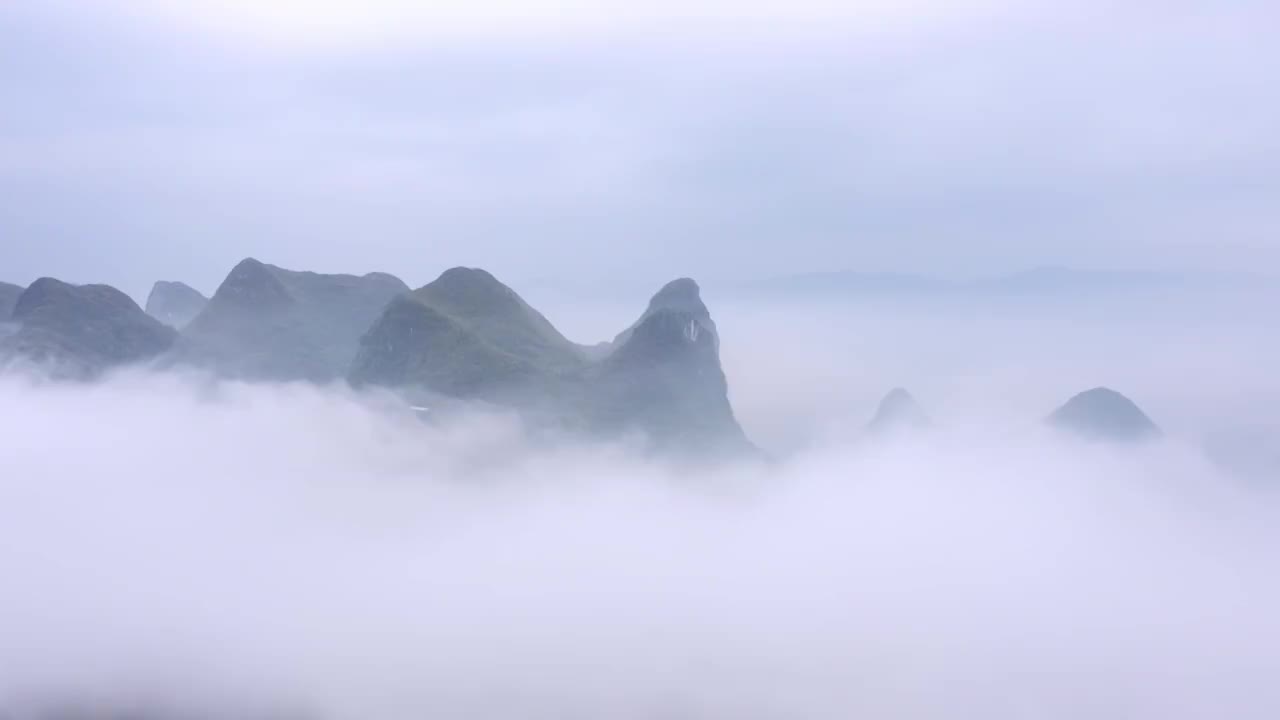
(1104, 414)
(898, 411)
(897, 396)
(249, 271)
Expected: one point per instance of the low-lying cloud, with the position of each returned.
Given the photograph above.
(211, 548)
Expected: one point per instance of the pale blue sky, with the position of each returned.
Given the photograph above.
(555, 141)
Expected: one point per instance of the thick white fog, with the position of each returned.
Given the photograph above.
(169, 542)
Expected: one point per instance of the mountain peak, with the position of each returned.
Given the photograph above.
(664, 377)
(252, 283)
(80, 330)
(48, 291)
(174, 303)
(1104, 414)
(469, 291)
(898, 411)
(679, 294)
(681, 297)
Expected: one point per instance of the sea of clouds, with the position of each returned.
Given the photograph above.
(181, 547)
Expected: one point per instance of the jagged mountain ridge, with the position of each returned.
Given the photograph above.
(174, 303)
(468, 335)
(78, 331)
(268, 323)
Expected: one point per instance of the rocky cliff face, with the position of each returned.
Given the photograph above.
(664, 379)
(268, 323)
(681, 295)
(78, 331)
(1103, 414)
(175, 304)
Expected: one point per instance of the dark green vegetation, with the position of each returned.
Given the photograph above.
(77, 331)
(1103, 414)
(468, 335)
(174, 303)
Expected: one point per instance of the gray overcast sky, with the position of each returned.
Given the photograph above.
(601, 142)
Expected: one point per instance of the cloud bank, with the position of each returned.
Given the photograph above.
(297, 551)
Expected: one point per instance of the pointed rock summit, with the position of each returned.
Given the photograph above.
(1106, 415)
(174, 303)
(681, 295)
(268, 323)
(77, 331)
(898, 411)
(664, 378)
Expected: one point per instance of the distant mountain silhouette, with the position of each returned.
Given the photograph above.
(468, 335)
(1051, 281)
(78, 331)
(898, 411)
(268, 323)
(174, 303)
(8, 299)
(841, 283)
(1104, 414)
